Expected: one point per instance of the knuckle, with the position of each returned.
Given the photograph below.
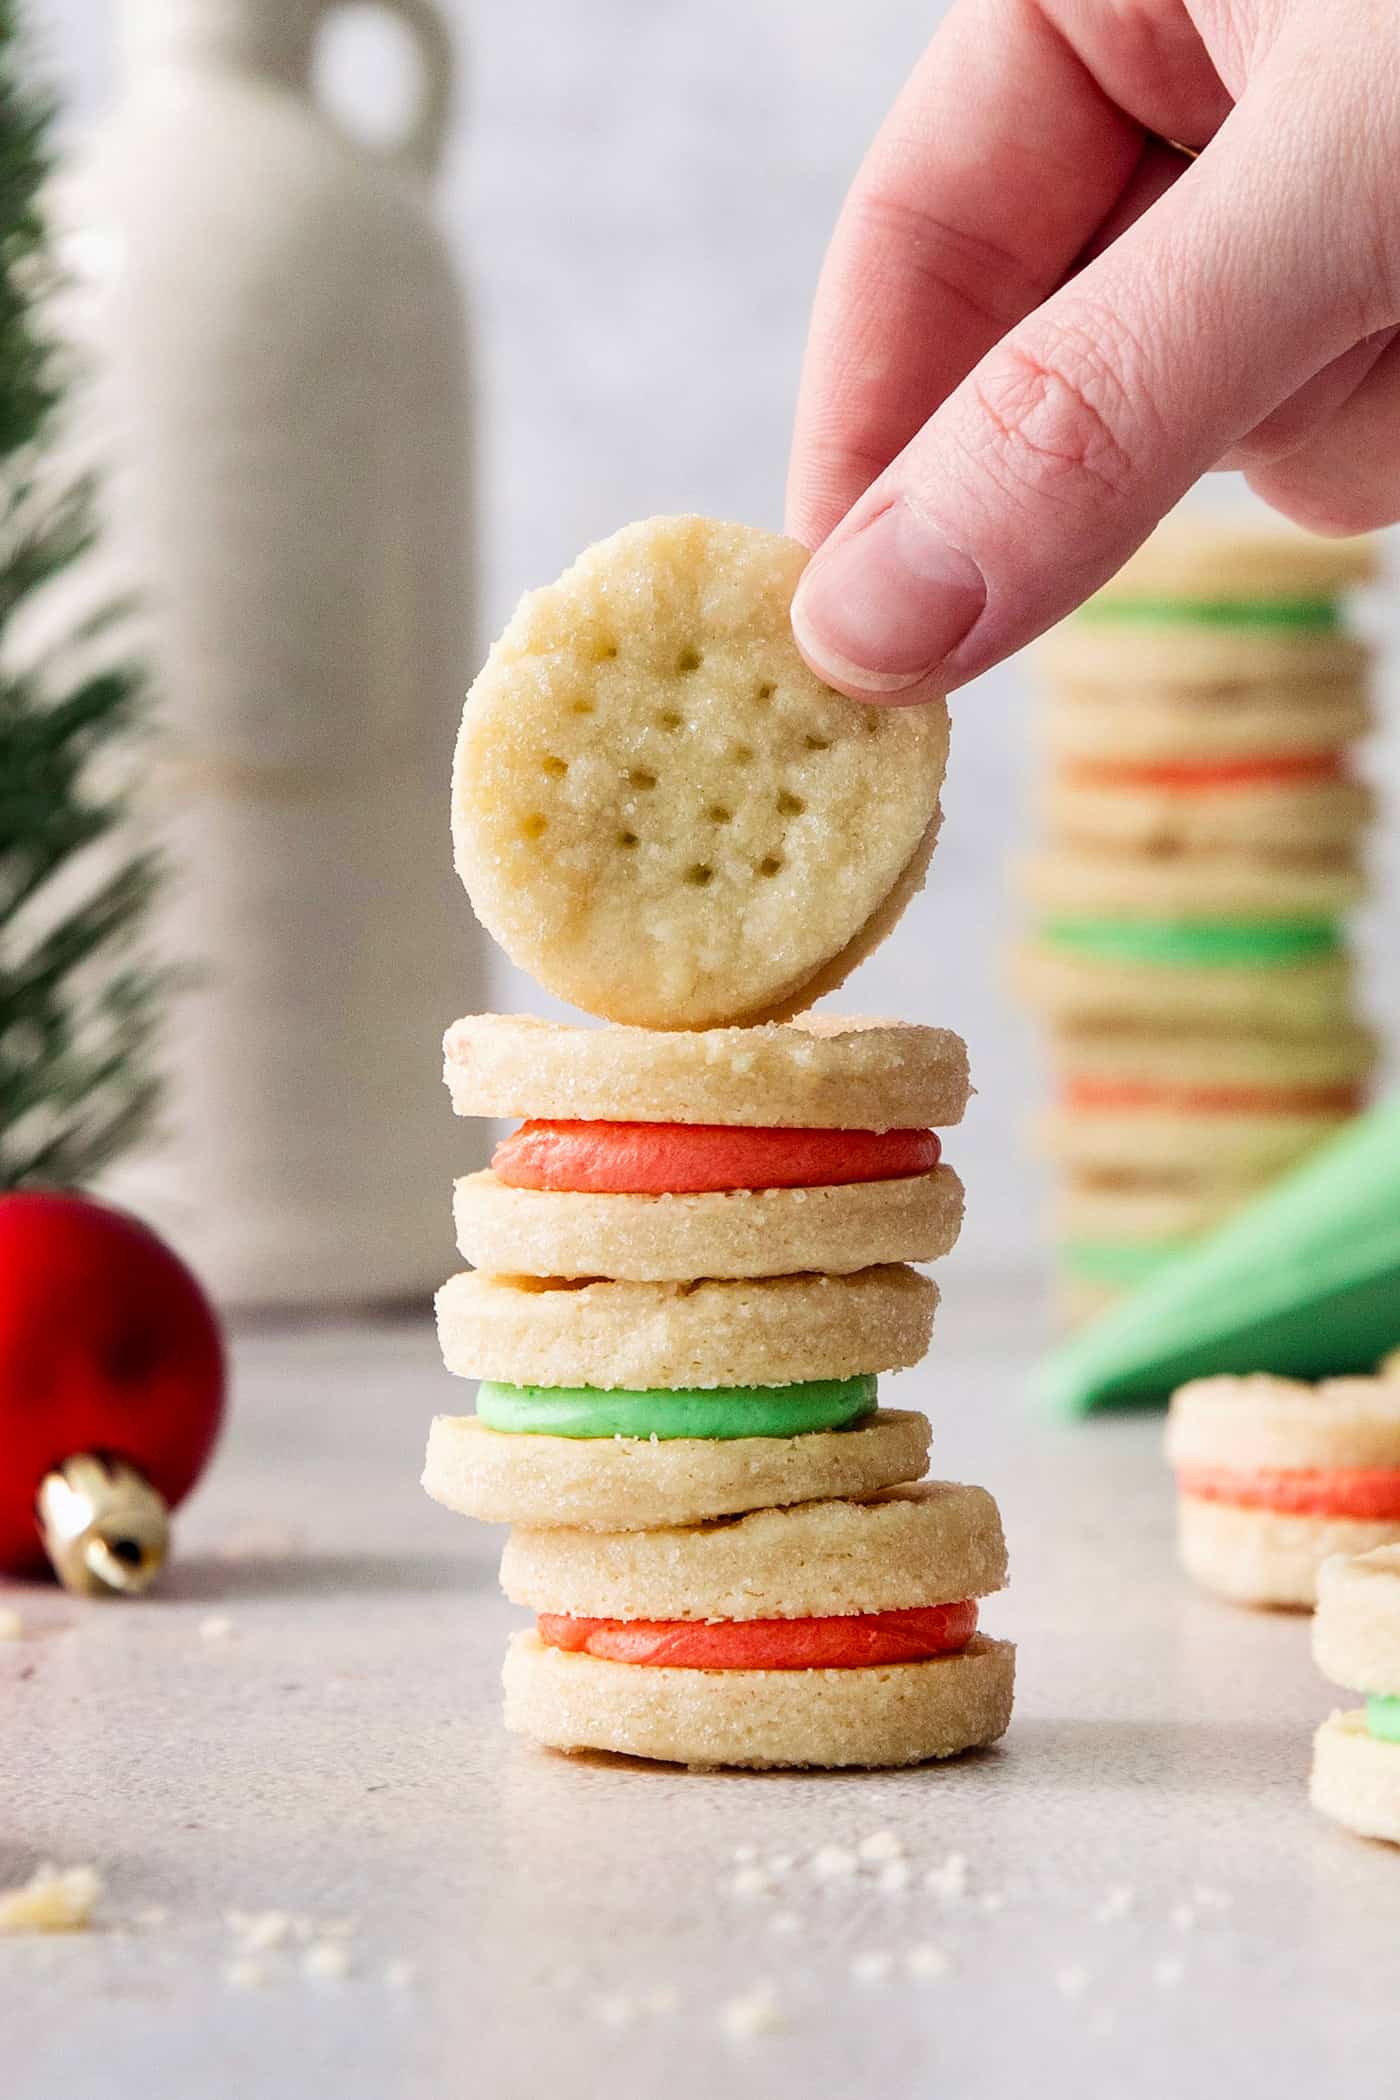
(1058, 412)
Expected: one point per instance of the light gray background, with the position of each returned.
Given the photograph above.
(640, 192)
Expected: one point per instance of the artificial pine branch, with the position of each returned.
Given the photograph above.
(78, 1008)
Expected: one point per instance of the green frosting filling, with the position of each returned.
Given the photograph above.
(1315, 613)
(1383, 1719)
(721, 1412)
(1196, 943)
(1125, 1261)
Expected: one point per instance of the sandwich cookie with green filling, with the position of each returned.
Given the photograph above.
(1356, 1642)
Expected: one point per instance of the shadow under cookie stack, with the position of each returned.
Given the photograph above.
(691, 1264)
(1203, 833)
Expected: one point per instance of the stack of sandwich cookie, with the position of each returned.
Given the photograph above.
(1204, 834)
(1274, 1475)
(1356, 1642)
(691, 1264)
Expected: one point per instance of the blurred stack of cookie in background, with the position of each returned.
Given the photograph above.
(1203, 831)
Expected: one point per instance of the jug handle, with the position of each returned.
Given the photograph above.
(420, 147)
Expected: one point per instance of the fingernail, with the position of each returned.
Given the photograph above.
(882, 610)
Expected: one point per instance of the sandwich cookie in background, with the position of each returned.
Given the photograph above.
(660, 812)
(613, 1405)
(1356, 1643)
(837, 1633)
(1274, 1475)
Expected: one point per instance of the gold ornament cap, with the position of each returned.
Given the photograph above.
(105, 1528)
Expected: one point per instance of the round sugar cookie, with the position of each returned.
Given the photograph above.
(629, 1484)
(776, 1330)
(1295, 664)
(660, 812)
(898, 1714)
(935, 1542)
(1324, 816)
(1285, 1424)
(1266, 1557)
(1292, 999)
(816, 1072)
(737, 1233)
(1184, 1060)
(1097, 720)
(1184, 1149)
(1356, 1633)
(1261, 885)
(1194, 556)
(1356, 1779)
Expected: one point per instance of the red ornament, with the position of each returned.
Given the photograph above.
(110, 1360)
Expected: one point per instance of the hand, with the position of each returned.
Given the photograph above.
(1038, 323)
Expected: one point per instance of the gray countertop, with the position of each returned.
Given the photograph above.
(304, 1723)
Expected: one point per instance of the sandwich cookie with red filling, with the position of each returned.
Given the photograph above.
(835, 1633)
(1274, 1475)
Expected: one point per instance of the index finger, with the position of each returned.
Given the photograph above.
(990, 175)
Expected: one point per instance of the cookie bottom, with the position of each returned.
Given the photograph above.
(899, 1714)
(1355, 1779)
(1264, 1556)
(633, 1484)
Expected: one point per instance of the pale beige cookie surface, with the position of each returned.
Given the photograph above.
(1266, 1557)
(1080, 1299)
(776, 1330)
(1356, 1779)
(1128, 1213)
(634, 1484)
(1193, 555)
(819, 1071)
(1253, 663)
(1285, 1424)
(1315, 816)
(1183, 1059)
(1390, 1365)
(1293, 999)
(1182, 1149)
(1266, 884)
(660, 812)
(902, 1714)
(935, 1542)
(1356, 1634)
(1098, 720)
(741, 1232)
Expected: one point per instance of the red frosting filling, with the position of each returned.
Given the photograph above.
(1111, 1095)
(769, 1644)
(1199, 776)
(681, 1159)
(1313, 1491)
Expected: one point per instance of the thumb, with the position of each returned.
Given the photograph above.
(1054, 459)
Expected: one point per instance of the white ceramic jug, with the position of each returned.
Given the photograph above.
(280, 397)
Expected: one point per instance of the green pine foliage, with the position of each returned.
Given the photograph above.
(78, 1006)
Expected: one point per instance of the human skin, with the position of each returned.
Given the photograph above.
(1038, 323)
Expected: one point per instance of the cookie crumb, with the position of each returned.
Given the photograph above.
(926, 1962)
(259, 1931)
(54, 1899)
(754, 2013)
(873, 1967)
(750, 1882)
(246, 1973)
(217, 1627)
(1117, 1902)
(328, 1960)
(880, 1845)
(833, 1863)
(950, 1880)
(11, 1625)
